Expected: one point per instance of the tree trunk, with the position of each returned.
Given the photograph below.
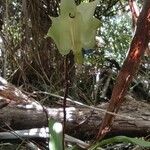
(130, 66)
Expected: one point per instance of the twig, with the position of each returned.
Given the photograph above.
(65, 97)
(38, 133)
(87, 106)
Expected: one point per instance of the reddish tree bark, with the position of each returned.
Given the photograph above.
(136, 51)
(135, 12)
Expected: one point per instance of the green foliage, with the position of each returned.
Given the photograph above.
(125, 139)
(116, 33)
(75, 28)
(55, 129)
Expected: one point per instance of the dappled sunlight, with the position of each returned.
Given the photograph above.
(37, 132)
(57, 127)
(59, 112)
(32, 105)
(18, 93)
(136, 52)
(2, 88)
(3, 81)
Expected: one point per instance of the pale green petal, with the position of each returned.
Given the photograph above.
(60, 34)
(67, 7)
(90, 24)
(75, 32)
(89, 33)
(87, 9)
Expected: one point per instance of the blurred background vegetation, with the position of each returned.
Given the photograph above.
(31, 60)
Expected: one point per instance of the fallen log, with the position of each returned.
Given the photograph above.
(82, 121)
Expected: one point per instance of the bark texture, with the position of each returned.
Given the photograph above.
(81, 122)
(136, 51)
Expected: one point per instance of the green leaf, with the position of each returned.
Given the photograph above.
(125, 139)
(75, 28)
(55, 130)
